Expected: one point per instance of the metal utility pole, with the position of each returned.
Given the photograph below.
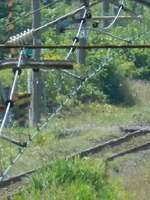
(36, 84)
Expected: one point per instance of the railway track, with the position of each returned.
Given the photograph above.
(134, 140)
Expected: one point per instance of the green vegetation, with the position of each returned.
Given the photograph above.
(110, 85)
(74, 179)
(117, 95)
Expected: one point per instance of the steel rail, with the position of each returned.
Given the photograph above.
(91, 151)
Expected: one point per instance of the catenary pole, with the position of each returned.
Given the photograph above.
(35, 111)
(82, 41)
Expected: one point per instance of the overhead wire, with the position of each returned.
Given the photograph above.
(2, 176)
(77, 36)
(11, 93)
(109, 46)
(28, 35)
(101, 31)
(73, 46)
(115, 19)
(27, 15)
(49, 119)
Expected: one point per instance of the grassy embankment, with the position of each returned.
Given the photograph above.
(81, 128)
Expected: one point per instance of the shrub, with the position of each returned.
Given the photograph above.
(115, 85)
(74, 179)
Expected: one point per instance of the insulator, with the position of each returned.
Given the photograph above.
(73, 49)
(11, 103)
(21, 38)
(88, 15)
(17, 69)
(76, 39)
(95, 24)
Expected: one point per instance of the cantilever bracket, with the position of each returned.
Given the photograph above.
(38, 64)
(13, 141)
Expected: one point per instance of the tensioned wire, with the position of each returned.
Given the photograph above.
(12, 92)
(14, 21)
(103, 32)
(79, 30)
(112, 23)
(74, 42)
(16, 74)
(63, 104)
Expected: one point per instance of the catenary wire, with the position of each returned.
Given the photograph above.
(112, 23)
(12, 93)
(59, 108)
(27, 15)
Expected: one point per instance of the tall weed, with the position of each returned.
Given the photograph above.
(74, 179)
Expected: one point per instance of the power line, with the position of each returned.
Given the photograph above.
(77, 46)
(103, 32)
(60, 107)
(27, 35)
(27, 15)
(112, 23)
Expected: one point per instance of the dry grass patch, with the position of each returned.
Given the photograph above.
(141, 91)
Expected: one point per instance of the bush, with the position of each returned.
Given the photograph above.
(115, 85)
(74, 179)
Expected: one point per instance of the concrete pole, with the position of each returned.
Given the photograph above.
(105, 12)
(82, 41)
(36, 91)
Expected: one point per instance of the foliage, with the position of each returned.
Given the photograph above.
(74, 179)
(104, 87)
(91, 93)
(115, 85)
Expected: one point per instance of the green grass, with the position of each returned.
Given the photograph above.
(72, 131)
(74, 179)
(81, 128)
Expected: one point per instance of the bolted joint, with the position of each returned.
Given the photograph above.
(76, 39)
(73, 49)
(83, 20)
(88, 15)
(9, 101)
(95, 24)
(17, 69)
(36, 70)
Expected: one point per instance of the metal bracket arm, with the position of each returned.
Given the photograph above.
(12, 141)
(38, 64)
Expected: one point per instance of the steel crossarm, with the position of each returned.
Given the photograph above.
(38, 64)
(8, 139)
